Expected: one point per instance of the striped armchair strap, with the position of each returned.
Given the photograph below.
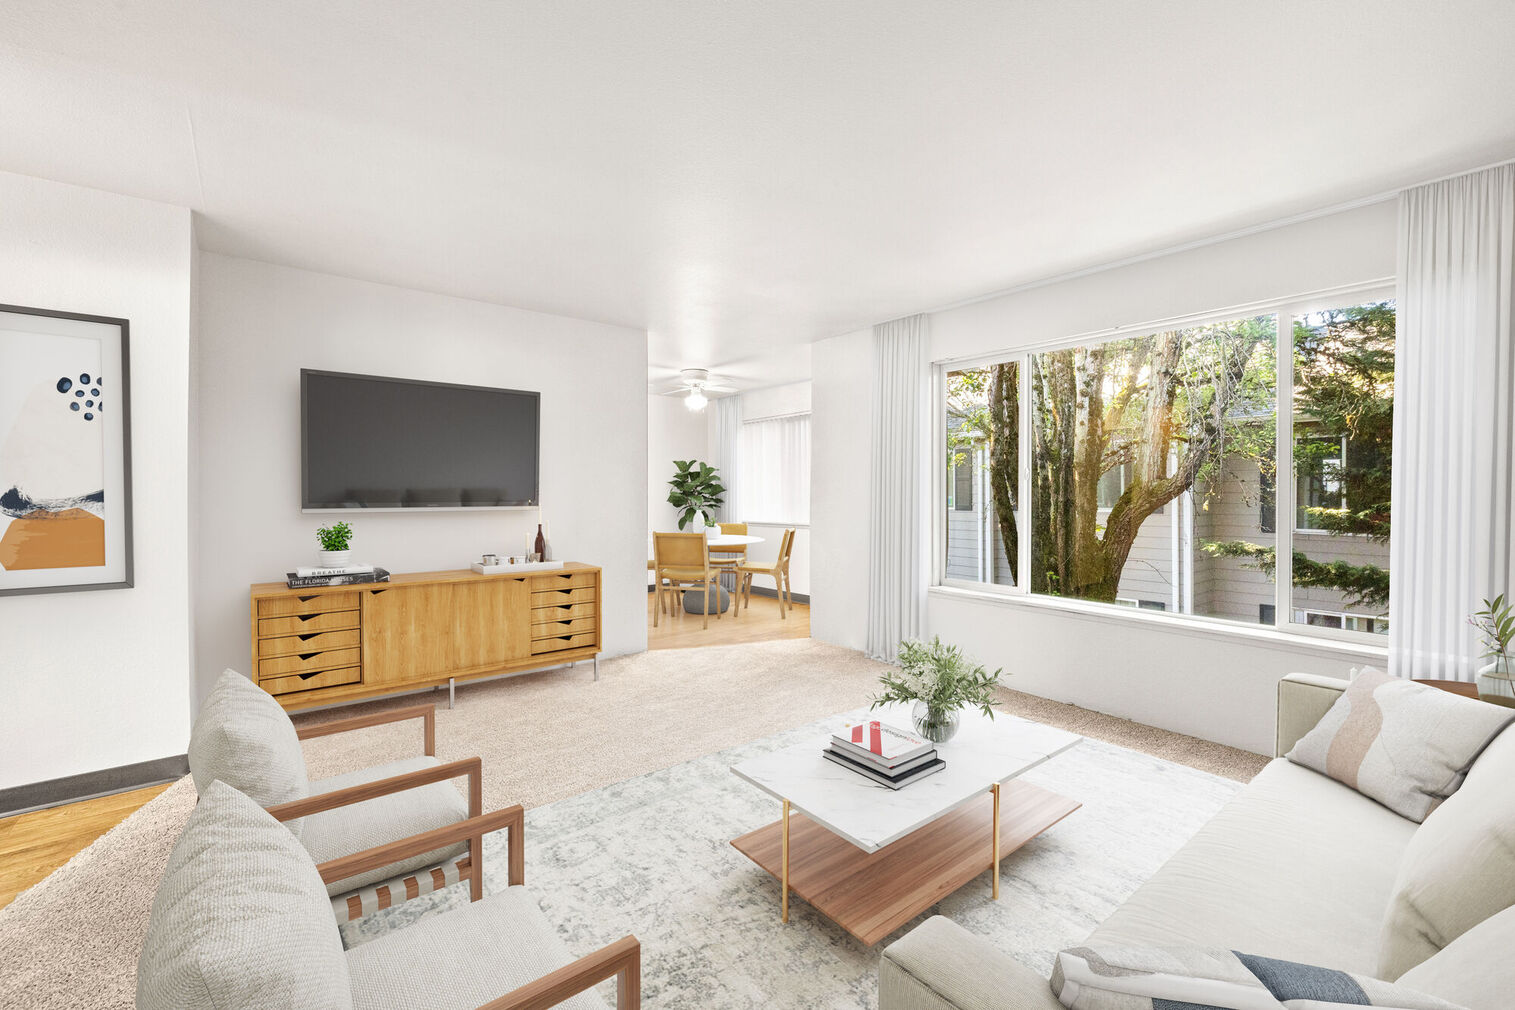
(353, 906)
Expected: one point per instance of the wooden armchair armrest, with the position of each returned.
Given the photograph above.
(473, 830)
(426, 712)
(621, 960)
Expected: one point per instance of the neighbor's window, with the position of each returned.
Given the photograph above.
(1153, 470)
(983, 466)
(775, 471)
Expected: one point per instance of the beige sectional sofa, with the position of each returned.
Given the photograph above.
(1296, 866)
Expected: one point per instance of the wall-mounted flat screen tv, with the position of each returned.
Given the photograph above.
(370, 442)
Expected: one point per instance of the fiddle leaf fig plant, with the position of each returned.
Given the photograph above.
(696, 488)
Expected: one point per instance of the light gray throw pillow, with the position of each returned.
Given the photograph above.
(1476, 969)
(243, 737)
(1458, 868)
(241, 919)
(1404, 744)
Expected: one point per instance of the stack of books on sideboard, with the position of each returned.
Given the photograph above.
(345, 575)
(887, 755)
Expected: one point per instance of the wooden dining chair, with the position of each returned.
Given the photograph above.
(778, 572)
(682, 561)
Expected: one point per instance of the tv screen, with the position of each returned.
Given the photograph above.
(374, 442)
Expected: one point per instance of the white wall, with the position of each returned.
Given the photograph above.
(841, 473)
(100, 679)
(1220, 688)
(260, 324)
(673, 432)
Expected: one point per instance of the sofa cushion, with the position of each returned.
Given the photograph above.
(345, 830)
(1296, 866)
(462, 958)
(243, 737)
(1475, 970)
(1158, 978)
(241, 918)
(1405, 744)
(1459, 868)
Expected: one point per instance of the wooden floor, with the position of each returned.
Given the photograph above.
(760, 623)
(35, 844)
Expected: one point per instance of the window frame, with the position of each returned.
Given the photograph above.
(1286, 310)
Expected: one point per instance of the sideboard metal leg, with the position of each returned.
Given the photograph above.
(452, 693)
(596, 667)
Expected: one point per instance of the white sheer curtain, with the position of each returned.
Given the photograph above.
(897, 587)
(776, 470)
(728, 455)
(1453, 417)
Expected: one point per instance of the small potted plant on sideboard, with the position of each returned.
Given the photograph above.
(336, 544)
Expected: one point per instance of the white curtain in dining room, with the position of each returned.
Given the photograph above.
(897, 504)
(728, 456)
(1454, 420)
(775, 475)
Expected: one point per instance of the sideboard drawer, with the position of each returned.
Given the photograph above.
(542, 645)
(305, 624)
(558, 597)
(306, 662)
(557, 629)
(311, 681)
(563, 580)
(315, 603)
(563, 612)
(296, 644)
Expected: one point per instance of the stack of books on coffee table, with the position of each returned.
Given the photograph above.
(886, 754)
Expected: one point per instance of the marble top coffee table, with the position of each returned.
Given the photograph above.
(871, 858)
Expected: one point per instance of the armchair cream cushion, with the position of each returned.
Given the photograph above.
(1458, 868)
(241, 919)
(243, 737)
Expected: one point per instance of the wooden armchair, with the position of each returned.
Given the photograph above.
(241, 914)
(243, 737)
(778, 572)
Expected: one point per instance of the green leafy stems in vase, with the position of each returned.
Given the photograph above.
(697, 491)
(1495, 625)
(941, 682)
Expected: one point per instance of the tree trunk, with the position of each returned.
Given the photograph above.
(1004, 455)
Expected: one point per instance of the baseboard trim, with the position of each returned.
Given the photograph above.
(72, 788)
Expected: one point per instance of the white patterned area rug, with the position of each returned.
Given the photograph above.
(652, 856)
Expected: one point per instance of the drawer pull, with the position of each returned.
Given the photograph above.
(306, 638)
(309, 655)
(309, 617)
(376, 592)
(307, 676)
(307, 599)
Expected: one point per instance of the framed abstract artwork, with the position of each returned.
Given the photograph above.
(65, 452)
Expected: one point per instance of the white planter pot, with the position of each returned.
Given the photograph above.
(335, 559)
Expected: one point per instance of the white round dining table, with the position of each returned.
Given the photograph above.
(730, 540)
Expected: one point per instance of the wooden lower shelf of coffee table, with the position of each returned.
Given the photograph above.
(870, 895)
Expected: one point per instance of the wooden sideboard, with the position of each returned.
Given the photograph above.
(425, 629)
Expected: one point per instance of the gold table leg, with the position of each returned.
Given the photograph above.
(993, 789)
(784, 882)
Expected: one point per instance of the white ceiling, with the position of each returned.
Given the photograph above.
(742, 178)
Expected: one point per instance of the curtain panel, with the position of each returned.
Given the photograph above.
(776, 470)
(728, 455)
(898, 509)
(1454, 413)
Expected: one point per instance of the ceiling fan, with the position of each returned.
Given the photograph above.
(694, 383)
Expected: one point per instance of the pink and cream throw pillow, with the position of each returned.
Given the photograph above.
(1404, 744)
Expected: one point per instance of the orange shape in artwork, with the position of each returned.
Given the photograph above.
(73, 538)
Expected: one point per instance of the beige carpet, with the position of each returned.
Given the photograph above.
(72, 940)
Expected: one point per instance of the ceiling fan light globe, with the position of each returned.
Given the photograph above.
(695, 400)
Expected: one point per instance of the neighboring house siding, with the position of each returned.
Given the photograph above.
(1219, 587)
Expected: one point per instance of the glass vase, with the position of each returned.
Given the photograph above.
(935, 724)
(1495, 683)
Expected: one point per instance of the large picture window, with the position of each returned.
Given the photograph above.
(1151, 468)
(775, 471)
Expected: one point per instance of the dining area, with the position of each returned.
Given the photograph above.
(703, 584)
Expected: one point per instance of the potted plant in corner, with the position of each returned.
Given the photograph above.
(1495, 624)
(696, 492)
(336, 544)
(941, 682)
